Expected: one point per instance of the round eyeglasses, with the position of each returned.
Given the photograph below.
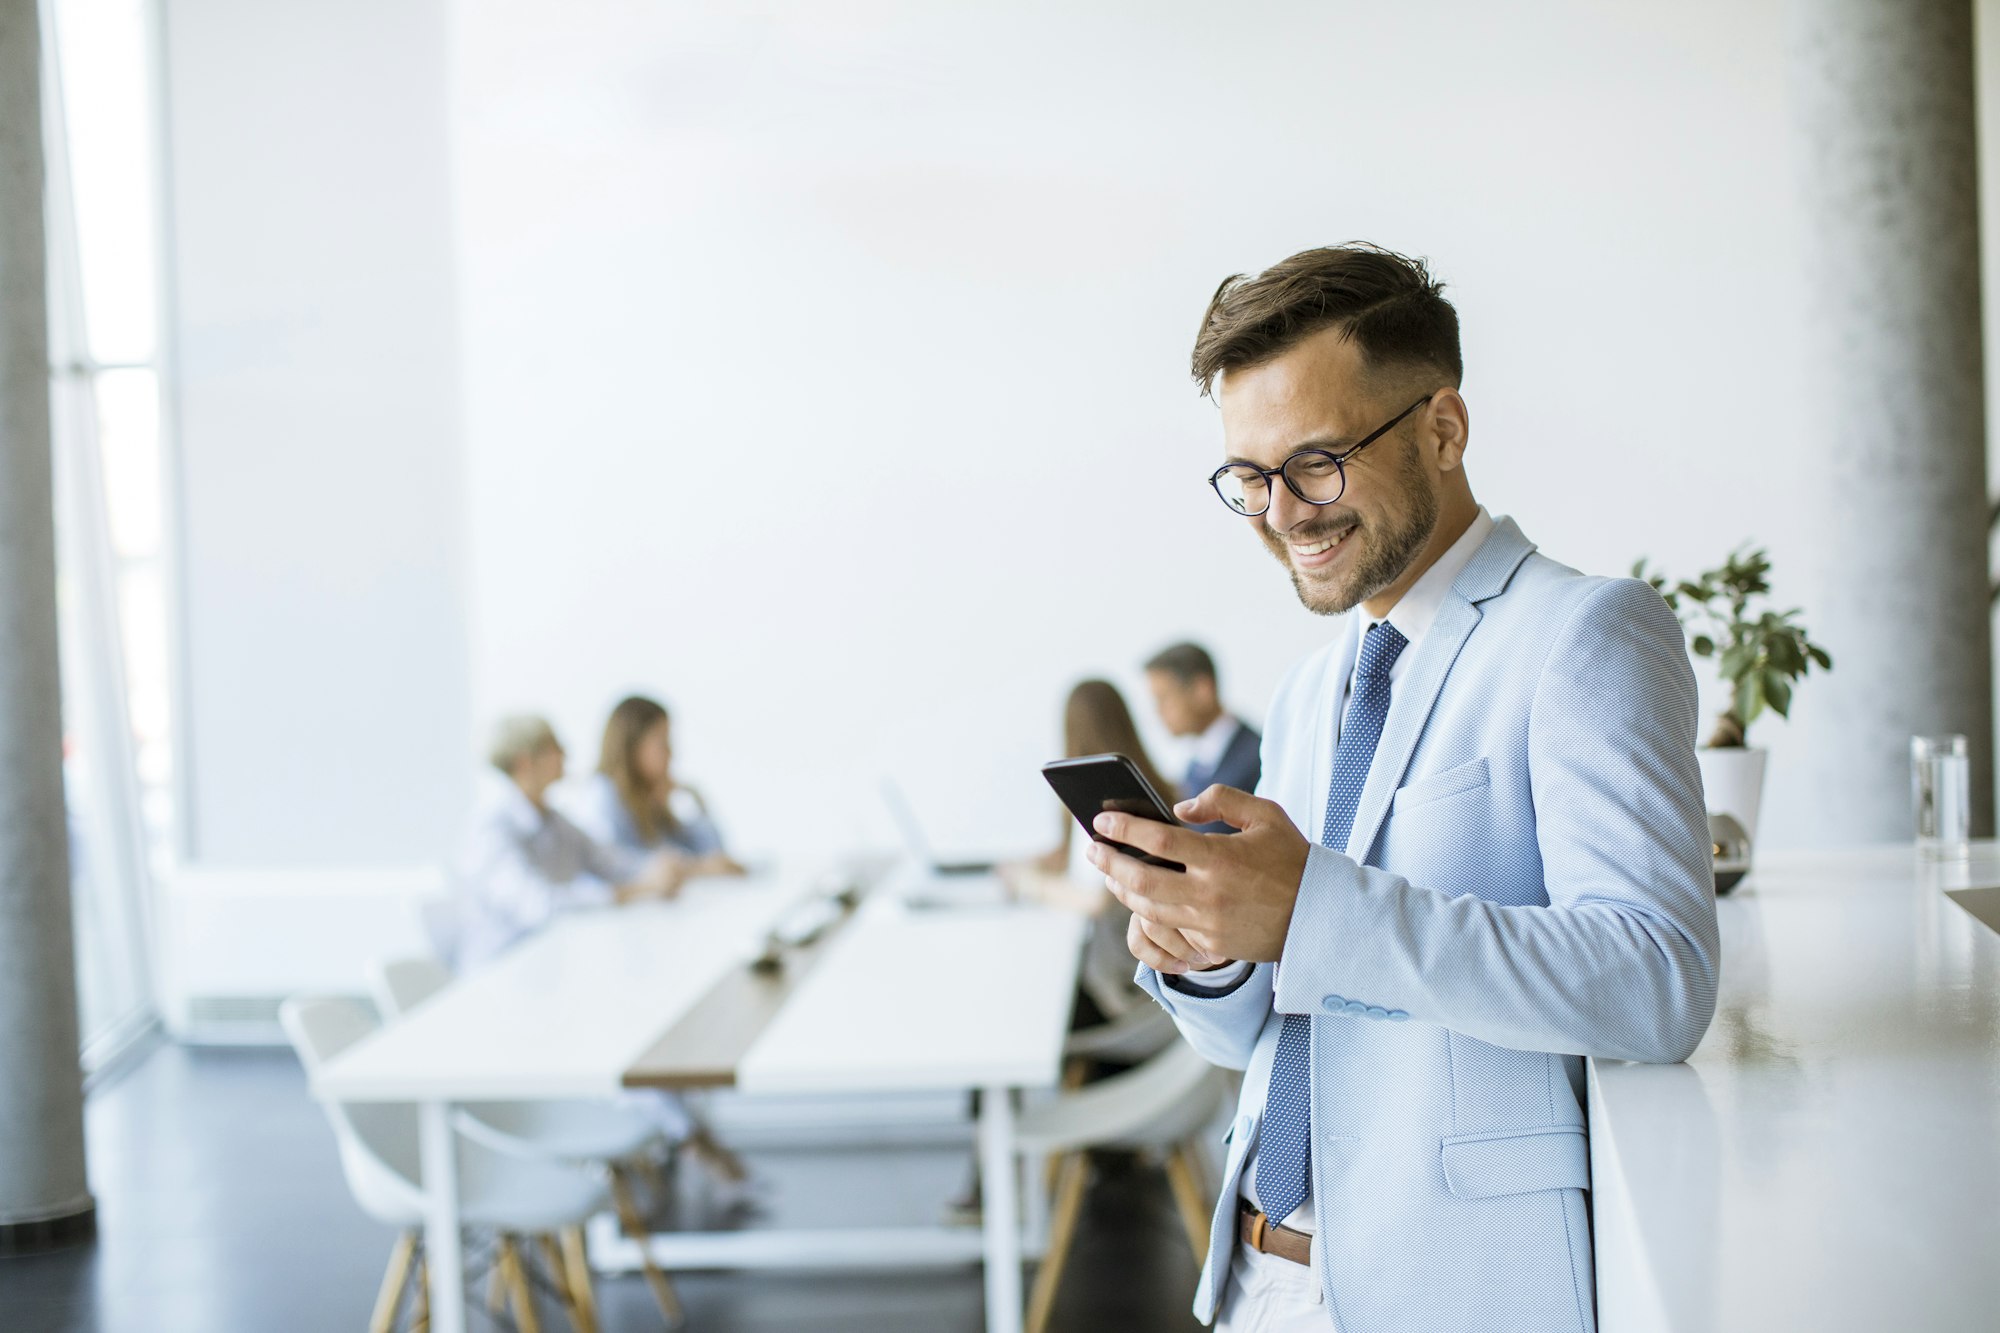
(1317, 476)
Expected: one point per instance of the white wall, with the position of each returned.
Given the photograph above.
(322, 492)
(825, 365)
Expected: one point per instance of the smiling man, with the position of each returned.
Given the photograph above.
(1505, 866)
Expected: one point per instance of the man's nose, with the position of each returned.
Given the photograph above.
(1287, 511)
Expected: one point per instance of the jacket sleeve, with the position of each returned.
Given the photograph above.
(1223, 1025)
(1622, 962)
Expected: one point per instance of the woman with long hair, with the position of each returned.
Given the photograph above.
(635, 804)
(1095, 721)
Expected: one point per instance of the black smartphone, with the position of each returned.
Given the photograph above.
(1099, 782)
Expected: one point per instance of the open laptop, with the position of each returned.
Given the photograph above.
(919, 845)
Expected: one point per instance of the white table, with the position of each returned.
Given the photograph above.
(919, 1000)
(904, 999)
(1829, 1159)
(559, 1016)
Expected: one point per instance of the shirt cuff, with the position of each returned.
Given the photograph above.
(1215, 981)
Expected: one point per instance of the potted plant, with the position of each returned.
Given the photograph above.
(1758, 651)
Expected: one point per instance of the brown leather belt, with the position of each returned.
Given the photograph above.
(1261, 1233)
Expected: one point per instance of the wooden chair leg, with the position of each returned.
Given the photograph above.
(716, 1156)
(514, 1270)
(496, 1281)
(577, 1262)
(422, 1322)
(1184, 1174)
(559, 1276)
(635, 1227)
(1070, 1180)
(391, 1296)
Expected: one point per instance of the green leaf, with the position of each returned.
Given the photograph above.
(1818, 654)
(1784, 654)
(1703, 646)
(1749, 697)
(1778, 692)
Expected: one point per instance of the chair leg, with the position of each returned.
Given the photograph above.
(716, 1156)
(578, 1265)
(515, 1273)
(384, 1318)
(635, 1227)
(1184, 1174)
(422, 1322)
(559, 1278)
(1070, 1180)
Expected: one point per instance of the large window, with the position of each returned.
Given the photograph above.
(99, 107)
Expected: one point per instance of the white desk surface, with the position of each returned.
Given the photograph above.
(566, 1012)
(915, 999)
(1829, 1159)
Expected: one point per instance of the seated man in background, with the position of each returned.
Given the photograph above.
(634, 805)
(1222, 748)
(523, 861)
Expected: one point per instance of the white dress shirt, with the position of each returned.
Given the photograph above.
(519, 866)
(1412, 616)
(1207, 749)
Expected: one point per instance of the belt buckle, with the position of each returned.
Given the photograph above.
(1258, 1224)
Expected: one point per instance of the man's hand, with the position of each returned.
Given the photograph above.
(1235, 898)
(1164, 949)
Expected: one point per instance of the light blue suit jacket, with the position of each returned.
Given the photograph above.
(1527, 883)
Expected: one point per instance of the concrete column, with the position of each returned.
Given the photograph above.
(1897, 471)
(44, 1194)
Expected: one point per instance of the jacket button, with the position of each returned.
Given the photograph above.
(1333, 1003)
(1355, 1007)
(1377, 1011)
(1398, 1016)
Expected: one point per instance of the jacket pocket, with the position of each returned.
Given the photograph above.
(1485, 1166)
(1440, 785)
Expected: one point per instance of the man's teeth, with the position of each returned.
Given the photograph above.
(1314, 548)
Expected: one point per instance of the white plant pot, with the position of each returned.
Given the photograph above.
(1734, 782)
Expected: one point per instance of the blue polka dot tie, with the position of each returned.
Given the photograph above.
(1284, 1153)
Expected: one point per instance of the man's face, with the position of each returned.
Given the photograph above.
(1317, 395)
(1185, 709)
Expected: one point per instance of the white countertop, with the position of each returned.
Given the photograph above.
(1829, 1159)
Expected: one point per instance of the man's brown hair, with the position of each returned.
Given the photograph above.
(1385, 303)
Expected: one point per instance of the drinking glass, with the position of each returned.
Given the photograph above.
(1941, 792)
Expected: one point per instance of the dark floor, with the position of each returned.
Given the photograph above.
(221, 1209)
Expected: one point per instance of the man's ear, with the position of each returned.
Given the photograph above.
(1451, 424)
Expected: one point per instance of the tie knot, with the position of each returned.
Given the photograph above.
(1380, 648)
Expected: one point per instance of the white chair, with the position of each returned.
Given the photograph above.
(1141, 1032)
(516, 1198)
(621, 1139)
(1161, 1106)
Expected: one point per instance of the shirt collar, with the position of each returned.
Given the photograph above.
(505, 802)
(1416, 609)
(1207, 749)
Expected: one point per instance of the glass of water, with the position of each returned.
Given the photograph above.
(1941, 792)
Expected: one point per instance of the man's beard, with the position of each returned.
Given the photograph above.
(1386, 553)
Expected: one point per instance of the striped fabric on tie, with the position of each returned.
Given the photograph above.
(1284, 1154)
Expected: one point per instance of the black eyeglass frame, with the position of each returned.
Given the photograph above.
(1282, 472)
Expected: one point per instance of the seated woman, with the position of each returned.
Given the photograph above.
(1095, 721)
(630, 802)
(522, 861)
(525, 861)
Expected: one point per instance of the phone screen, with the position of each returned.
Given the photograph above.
(1099, 782)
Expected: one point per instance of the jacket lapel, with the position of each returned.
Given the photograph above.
(1416, 695)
